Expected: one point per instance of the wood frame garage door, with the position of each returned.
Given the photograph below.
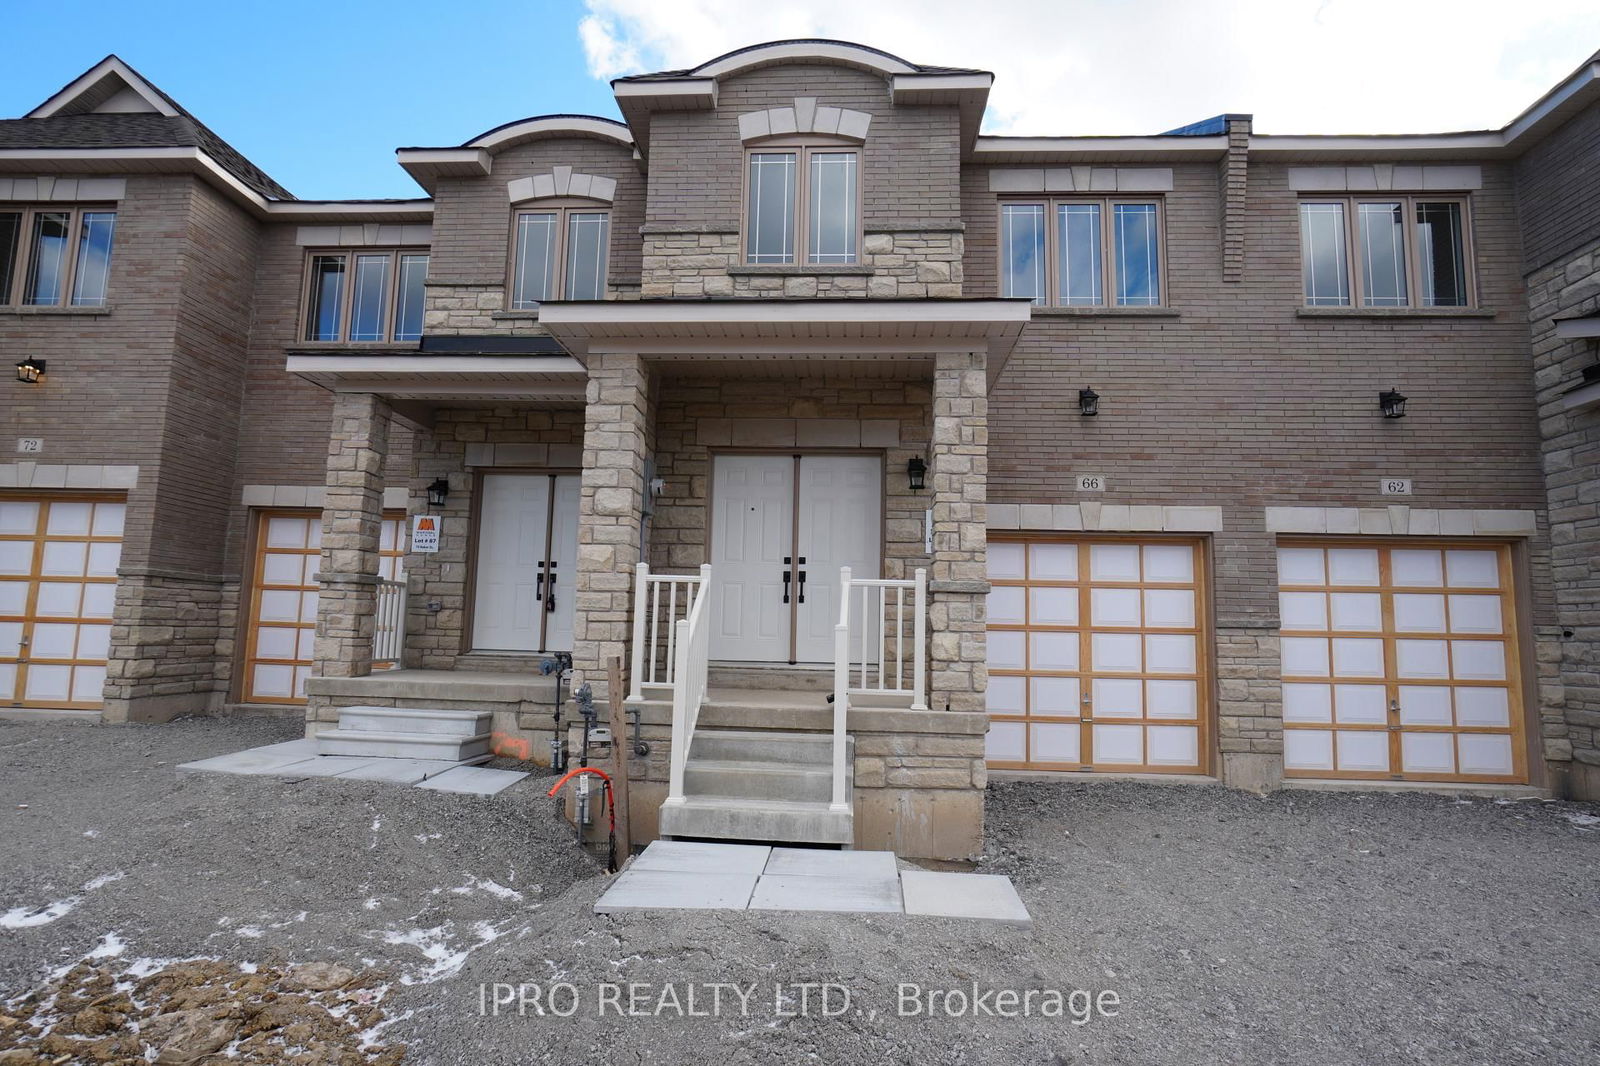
(283, 599)
(58, 581)
(1099, 655)
(1400, 662)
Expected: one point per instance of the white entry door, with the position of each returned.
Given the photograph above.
(527, 551)
(781, 527)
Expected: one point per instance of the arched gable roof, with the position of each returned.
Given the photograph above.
(541, 127)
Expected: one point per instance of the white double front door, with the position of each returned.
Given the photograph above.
(527, 555)
(781, 527)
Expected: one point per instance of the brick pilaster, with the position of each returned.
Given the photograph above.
(959, 581)
(352, 517)
(1232, 178)
(615, 446)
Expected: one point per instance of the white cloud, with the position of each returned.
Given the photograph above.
(1117, 66)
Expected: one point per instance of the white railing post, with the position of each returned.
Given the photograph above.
(919, 652)
(641, 582)
(841, 688)
(680, 728)
(690, 640)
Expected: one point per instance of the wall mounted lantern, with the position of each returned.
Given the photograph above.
(30, 370)
(438, 492)
(1392, 404)
(1088, 402)
(917, 473)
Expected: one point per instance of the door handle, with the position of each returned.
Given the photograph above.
(802, 585)
(550, 599)
(787, 577)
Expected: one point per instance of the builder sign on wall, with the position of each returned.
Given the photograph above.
(425, 533)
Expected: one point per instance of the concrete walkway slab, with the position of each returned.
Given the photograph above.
(798, 892)
(326, 766)
(814, 862)
(473, 781)
(267, 759)
(673, 890)
(398, 771)
(686, 856)
(954, 895)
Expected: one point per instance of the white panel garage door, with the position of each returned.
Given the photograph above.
(58, 578)
(1400, 663)
(1098, 656)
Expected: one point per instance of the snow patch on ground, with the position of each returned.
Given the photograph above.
(1583, 821)
(30, 917)
(111, 946)
(440, 945)
(475, 884)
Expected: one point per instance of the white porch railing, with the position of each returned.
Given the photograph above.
(389, 634)
(691, 652)
(660, 601)
(880, 667)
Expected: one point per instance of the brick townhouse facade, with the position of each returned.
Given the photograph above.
(1259, 458)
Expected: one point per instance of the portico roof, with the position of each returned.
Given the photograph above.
(816, 330)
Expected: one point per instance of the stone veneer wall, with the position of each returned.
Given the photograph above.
(462, 443)
(694, 416)
(1569, 652)
(903, 263)
(167, 651)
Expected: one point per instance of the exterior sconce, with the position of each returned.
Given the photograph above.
(1088, 402)
(1392, 404)
(30, 370)
(437, 492)
(917, 473)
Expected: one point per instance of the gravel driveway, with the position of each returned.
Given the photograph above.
(1305, 927)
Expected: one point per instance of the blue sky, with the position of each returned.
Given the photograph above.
(320, 94)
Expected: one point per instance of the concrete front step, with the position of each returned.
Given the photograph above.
(421, 720)
(736, 779)
(726, 818)
(785, 678)
(378, 744)
(754, 745)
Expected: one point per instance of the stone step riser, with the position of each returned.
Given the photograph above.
(374, 745)
(758, 783)
(769, 678)
(384, 720)
(783, 749)
(820, 826)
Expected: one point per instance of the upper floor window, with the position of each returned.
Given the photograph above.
(558, 250)
(363, 296)
(1081, 253)
(1395, 251)
(52, 256)
(802, 205)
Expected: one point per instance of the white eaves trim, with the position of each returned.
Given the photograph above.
(455, 365)
(110, 65)
(1583, 396)
(907, 88)
(1581, 326)
(680, 93)
(552, 127)
(853, 55)
(457, 162)
(1005, 148)
(785, 312)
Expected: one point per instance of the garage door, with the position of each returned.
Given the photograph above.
(58, 578)
(1097, 656)
(1400, 662)
(283, 604)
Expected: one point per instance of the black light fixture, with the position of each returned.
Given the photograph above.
(30, 370)
(917, 473)
(1088, 402)
(1392, 404)
(437, 492)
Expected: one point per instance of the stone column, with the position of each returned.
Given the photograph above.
(610, 512)
(352, 517)
(959, 581)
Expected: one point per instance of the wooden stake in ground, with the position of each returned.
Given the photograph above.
(622, 751)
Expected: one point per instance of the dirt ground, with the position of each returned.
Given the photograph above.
(1304, 927)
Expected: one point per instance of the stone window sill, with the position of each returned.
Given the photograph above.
(791, 270)
(69, 311)
(1394, 312)
(529, 315)
(1105, 312)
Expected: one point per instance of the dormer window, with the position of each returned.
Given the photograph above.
(802, 204)
(557, 249)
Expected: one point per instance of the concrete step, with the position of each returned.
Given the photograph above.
(754, 745)
(414, 720)
(378, 744)
(757, 780)
(781, 821)
(789, 678)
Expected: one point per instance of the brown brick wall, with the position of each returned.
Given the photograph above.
(1558, 186)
